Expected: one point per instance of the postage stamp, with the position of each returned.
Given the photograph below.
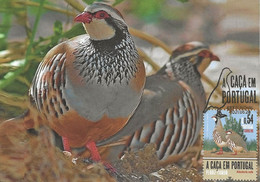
(230, 145)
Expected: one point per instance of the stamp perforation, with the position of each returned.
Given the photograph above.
(244, 162)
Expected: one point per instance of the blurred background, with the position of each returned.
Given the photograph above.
(229, 27)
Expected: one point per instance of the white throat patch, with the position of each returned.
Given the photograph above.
(98, 29)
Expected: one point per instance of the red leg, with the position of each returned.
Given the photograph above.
(66, 144)
(95, 156)
(220, 151)
(235, 153)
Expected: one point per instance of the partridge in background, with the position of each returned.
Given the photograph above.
(88, 87)
(219, 134)
(235, 142)
(170, 112)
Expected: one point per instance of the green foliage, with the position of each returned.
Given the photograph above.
(148, 10)
(231, 123)
(175, 13)
(74, 31)
(5, 25)
(117, 2)
(11, 76)
(45, 44)
(152, 11)
(17, 84)
(183, 1)
(209, 144)
(92, 1)
(251, 145)
(35, 50)
(57, 28)
(33, 10)
(4, 28)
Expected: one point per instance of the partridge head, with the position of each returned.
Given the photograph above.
(198, 54)
(102, 22)
(217, 118)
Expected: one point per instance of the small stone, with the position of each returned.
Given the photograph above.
(74, 160)
(67, 154)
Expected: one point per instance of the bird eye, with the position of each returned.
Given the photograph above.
(101, 15)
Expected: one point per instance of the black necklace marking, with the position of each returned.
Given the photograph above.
(186, 71)
(107, 61)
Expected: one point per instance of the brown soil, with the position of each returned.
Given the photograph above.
(28, 158)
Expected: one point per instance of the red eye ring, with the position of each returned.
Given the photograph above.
(101, 15)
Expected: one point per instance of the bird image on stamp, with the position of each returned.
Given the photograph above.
(230, 145)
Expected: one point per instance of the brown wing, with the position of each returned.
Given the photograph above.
(175, 130)
(238, 140)
(46, 92)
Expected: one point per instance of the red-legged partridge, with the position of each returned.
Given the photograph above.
(88, 87)
(235, 142)
(219, 134)
(170, 112)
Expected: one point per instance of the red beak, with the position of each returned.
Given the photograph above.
(84, 17)
(209, 54)
(214, 57)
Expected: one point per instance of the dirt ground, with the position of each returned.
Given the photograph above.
(28, 158)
